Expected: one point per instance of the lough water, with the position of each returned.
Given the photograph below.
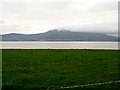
(58, 45)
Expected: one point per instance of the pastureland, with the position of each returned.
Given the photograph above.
(53, 68)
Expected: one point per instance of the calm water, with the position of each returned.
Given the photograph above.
(59, 45)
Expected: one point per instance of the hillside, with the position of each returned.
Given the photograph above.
(59, 35)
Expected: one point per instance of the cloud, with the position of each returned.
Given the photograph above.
(107, 27)
(11, 28)
(57, 5)
(35, 16)
(102, 27)
(106, 6)
(9, 7)
(2, 22)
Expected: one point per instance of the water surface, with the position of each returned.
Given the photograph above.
(58, 45)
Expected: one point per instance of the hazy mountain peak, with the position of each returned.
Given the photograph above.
(59, 30)
(59, 35)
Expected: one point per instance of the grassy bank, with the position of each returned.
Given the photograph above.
(56, 68)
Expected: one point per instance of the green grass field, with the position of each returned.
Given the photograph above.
(53, 68)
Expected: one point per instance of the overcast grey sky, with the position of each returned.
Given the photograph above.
(37, 16)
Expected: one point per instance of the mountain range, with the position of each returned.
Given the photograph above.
(59, 35)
